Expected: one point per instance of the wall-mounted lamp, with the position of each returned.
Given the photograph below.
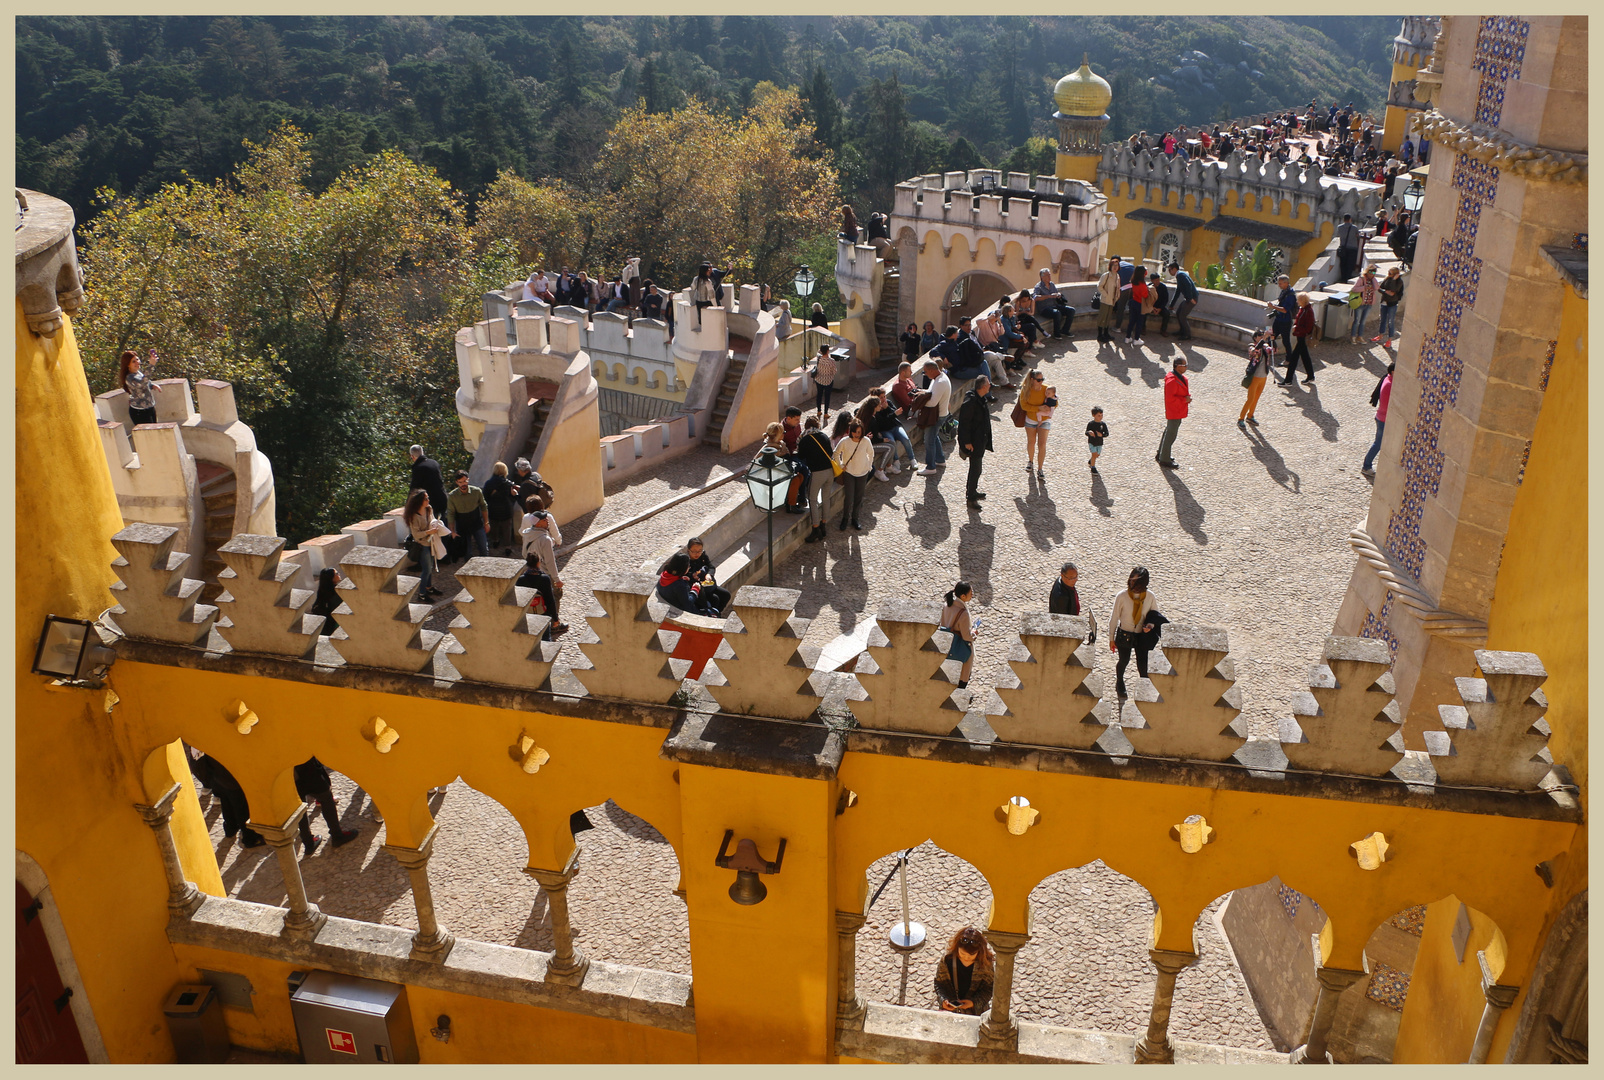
(747, 864)
(70, 650)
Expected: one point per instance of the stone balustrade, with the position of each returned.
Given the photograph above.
(1188, 711)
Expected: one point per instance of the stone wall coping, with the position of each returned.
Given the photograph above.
(902, 1035)
(761, 744)
(660, 999)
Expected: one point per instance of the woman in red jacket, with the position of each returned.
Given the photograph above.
(1140, 304)
(1302, 327)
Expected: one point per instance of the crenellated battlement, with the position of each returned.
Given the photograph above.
(901, 696)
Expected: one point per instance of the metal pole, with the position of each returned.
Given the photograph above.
(771, 548)
(902, 871)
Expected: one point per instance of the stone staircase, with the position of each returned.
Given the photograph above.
(726, 398)
(218, 491)
(540, 404)
(886, 329)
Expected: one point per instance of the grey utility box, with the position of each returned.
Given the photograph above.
(343, 1019)
(195, 1019)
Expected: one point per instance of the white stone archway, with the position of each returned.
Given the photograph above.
(973, 292)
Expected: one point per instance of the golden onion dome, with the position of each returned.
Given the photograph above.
(1083, 93)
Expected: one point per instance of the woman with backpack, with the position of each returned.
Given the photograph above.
(814, 450)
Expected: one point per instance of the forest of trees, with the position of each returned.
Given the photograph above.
(310, 206)
(133, 102)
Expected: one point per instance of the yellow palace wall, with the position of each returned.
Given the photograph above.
(1126, 241)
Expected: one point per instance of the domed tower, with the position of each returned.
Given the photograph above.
(1082, 98)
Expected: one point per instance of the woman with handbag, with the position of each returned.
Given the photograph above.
(1261, 361)
(1105, 298)
(955, 617)
(855, 455)
(1129, 628)
(426, 531)
(823, 376)
(1365, 292)
(1031, 407)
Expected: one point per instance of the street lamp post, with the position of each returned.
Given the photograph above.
(1413, 198)
(767, 479)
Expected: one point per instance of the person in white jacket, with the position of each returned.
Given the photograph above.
(855, 455)
(1129, 629)
(541, 537)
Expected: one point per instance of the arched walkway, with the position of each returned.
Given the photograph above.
(973, 292)
(945, 894)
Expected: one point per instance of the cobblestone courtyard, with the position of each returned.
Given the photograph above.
(1248, 534)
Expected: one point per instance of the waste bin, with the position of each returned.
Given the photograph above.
(195, 1019)
(344, 1019)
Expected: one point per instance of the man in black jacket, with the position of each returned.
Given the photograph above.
(426, 474)
(1064, 600)
(974, 434)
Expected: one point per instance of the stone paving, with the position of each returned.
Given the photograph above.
(1248, 534)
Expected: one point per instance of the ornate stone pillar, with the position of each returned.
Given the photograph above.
(1155, 1048)
(432, 941)
(568, 965)
(182, 896)
(304, 920)
(1499, 998)
(1333, 981)
(999, 1031)
(848, 1006)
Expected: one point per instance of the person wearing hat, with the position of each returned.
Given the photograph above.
(528, 482)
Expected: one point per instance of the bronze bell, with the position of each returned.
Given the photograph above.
(748, 888)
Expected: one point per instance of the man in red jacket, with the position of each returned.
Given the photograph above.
(1177, 396)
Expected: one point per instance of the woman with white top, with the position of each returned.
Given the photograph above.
(955, 617)
(1129, 629)
(426, 531)
(541, 535)
(855, 455)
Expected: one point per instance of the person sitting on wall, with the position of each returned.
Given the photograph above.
(702, 574)
(676, 587)
(535, 577)
(964, 977)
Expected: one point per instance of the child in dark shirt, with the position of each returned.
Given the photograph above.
(1096, 432)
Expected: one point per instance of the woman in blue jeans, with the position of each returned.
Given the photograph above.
(1392, 290)
(426, 531)
(1383, 395)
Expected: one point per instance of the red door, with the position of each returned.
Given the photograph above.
(47, 1034)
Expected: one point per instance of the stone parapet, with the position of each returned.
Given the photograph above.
(901, 698)
(49, 282)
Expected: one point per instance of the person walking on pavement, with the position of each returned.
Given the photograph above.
(1185, 301)
(814, 450)
(1285, 307)
(974, 435)
(425, 535)
(1034, 400)
(1379, 399)
(1302, 327)
(955, 617)
(1064, 600)
(1129, 628)
(312, 784)
(1177, 398)
(823, 375)
(855, 455)
(1366, 288)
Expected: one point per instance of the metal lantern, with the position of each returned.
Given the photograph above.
(768, 478)
(1414, 195)
(804, 282)
(69, 649)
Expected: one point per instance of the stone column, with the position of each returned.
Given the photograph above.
(182, 896)
(568, 965)
(1333, 981)
(998, 1032)
(304, 920)
(1499, 998)
(848, 1006)
(432, 942)
(1154, 1048)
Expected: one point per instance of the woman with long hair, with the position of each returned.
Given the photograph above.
(426, 531)
(1261, 361)
(955, 617)
(849, 225)
(1130, 627)
(702, 290)
(855, 455)
(964, 979)
(136, 382)
(1038, 401)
